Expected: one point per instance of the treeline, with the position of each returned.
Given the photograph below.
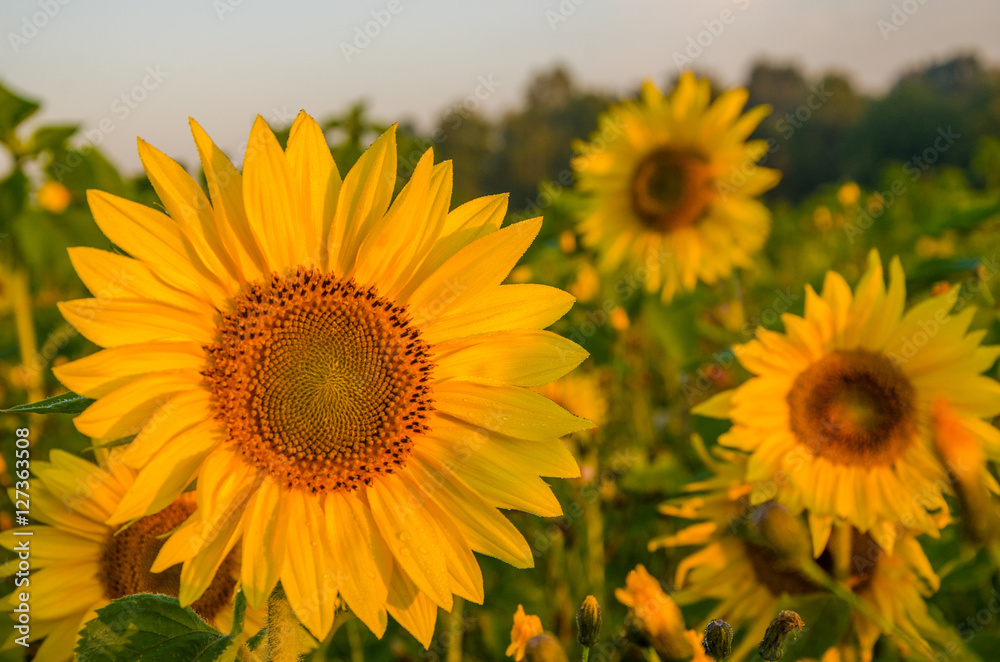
(823, 129)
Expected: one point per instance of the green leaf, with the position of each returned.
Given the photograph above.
(151, 628)
(13, 196)
(50, 137)
(13, 110)
(67, 403)
(657, 477)
(965, 219)
(239, 614)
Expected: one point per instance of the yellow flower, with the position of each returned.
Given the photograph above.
(80, 564)
(526, 626)
(849, 194)
(749, 581)
(659, 619)
(838, 415)
(672, 183)
(53, 197)
(348, 381)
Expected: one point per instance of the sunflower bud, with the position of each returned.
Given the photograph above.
(785, 534)
(544, 648)
(772, 646)
(588, 622)
(718, 642)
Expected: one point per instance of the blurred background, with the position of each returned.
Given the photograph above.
(859, 91)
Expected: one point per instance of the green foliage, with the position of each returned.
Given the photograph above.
(67, 403)
(153, 628)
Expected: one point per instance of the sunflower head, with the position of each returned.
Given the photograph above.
(345, 374)
(672, 182)
(838, 417)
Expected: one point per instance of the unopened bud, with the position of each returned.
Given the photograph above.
(772, 646)
(544, 648)
(785, 534)
(588, 622)
(718, 642)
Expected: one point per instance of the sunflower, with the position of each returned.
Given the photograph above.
(672, 184)
(750, 583)
(348, 381)
(657, 619)
(526, 627)
(838, 415)
(80, 564)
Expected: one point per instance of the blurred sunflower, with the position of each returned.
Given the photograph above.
(750, 580)
(348, 381)
(83, 564)
(839, 413)
(672, 184)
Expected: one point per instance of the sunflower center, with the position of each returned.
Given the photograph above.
(321, 383)
(670, 189)
(853, 407)
(127, 557)
(767, 569)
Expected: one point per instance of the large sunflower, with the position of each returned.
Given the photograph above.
(838, 416)
(80, 564)
(750, 583)
(348, 381)
(672, 184)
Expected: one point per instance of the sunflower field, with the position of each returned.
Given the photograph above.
(692, 373)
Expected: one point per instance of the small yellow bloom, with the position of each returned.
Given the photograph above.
(54, 197)
(849, 194)
(567, 241)
(822, 218)
(587, 284)
(525, 627)
(619, 319)
(657, 617)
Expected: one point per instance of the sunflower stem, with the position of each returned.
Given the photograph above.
(586, 655)
(283, 638)
(816, 574)
(842, 544)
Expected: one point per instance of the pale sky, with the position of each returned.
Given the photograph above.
(224, 61)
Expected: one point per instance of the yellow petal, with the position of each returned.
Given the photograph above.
(111, 276)
(411, 535)
(483, 526)
(522, 306)
(315, 177)
(479, 266)
(363, 561)
(168, 473)
(154, 238)
(516, 358)
(264, 543)
(363, 199)
(271, 203)
(307, 578)
(131, 321)
(225, 185)
(102, 372)
(411, 607)
(187, 205)
(124, 411)
(510, 410)
(177, 415)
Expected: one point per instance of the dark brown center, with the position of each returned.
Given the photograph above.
(670, 189)
(321, 383)
(853, 407)
(127, 557)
